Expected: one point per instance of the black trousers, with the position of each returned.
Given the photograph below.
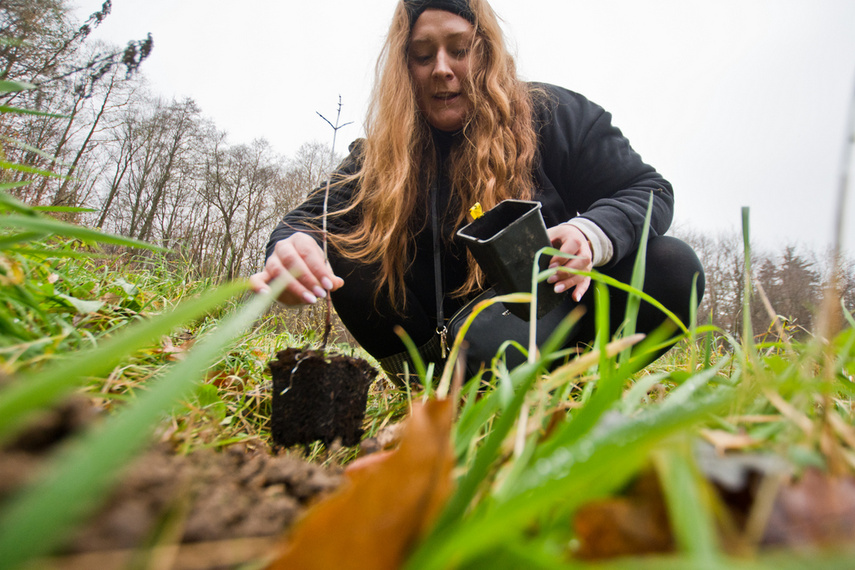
(671, 266)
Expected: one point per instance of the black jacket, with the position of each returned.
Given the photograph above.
(585, 167)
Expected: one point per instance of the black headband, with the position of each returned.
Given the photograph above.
(459, 7)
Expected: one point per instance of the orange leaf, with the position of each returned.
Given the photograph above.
(225, 378)
(621, 526)
(726, 441)
(173, 352)
(389, 502)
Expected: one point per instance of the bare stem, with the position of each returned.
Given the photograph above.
(335, 128)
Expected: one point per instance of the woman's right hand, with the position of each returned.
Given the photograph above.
(300, 256)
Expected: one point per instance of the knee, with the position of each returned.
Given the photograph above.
(673, 268)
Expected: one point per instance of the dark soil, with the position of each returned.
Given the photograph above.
(317, 396)
(245, 490)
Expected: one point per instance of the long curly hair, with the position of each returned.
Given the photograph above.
(493, 161)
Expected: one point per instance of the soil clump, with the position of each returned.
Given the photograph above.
(245, 490)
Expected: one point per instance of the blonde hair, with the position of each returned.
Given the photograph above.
(493, 161)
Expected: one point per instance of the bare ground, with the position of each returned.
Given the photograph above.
(228, 503)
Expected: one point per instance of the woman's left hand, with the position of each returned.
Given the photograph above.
(569, 239)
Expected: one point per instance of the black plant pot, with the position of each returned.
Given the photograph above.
(504, 242)
(318, 396)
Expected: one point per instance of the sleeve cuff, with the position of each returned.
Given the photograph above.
(601, 245)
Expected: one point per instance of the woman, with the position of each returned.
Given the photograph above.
(450, 124)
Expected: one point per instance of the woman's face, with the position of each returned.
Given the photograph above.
(438, 59)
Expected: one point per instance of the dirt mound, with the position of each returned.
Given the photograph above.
(245, 490)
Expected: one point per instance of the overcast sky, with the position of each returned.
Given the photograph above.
(737, 102)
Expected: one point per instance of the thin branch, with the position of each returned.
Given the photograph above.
(335, 128)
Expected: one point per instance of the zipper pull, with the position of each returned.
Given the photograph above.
(443, 340)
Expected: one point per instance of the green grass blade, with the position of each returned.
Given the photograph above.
(415, 356)
(445, 380)
(45, 252)
(602, 328)
(20, 111)
(633, 301)
(15, 86)
(614, 283)
(6, 200)
(30, 148)
(693, 324)
(690, 515)
(51, 226)
(75, 483)
(28, 169)
(63, 209)
(683, 394)
(589, 469)
(522, 378)
(747, 331)
(632, 401)
(7, 242)
(33, 392)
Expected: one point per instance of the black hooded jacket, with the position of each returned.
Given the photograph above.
(585, 168)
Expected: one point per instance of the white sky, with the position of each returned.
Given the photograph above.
(737, 102)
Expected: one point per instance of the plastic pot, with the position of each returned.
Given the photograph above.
(504, 242)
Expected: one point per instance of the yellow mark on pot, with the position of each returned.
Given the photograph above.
(476, 211)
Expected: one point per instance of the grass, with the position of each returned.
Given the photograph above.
(171, 359)
(185, 362)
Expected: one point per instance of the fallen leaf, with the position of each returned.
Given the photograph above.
(621, 526)
(225, 378)
(173, 352)
(817, 510)
(387, 504)
(111, 298)
(82, 306)
(725, 441)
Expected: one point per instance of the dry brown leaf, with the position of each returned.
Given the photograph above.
(111, 298)
(817, 510)
(225, 378)
(724, 440)
(173, 352)
(620, 526)
(374, 520)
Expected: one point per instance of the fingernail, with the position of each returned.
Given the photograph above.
(552, 279)
(559, 288)
(319, 292)
(264, 290)
(309, 298)
(325, 281)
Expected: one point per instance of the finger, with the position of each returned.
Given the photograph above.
(337, 282)
(581, 289)
(319, 277)
(305, 286)
(293, 294)
(286, 263)
(578, 264)
(569, 283)
(258, 282)
(321, 273)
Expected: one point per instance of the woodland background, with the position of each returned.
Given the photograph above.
(159, 170)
